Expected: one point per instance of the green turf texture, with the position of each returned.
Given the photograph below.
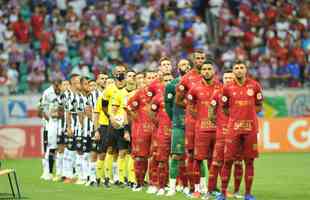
(278, 177)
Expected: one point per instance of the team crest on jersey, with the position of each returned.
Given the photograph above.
(250, 92)
(135, 103)
(190, 97)
(181, 87)
(213, 103)
(149, 94)
(224, 99)
(259, 96)
(169, 96)
(154, 106)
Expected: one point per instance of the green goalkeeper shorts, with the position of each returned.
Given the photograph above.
(177, 141)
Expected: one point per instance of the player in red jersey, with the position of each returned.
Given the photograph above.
(241, 99)
(189, 80)
(200, 97)
(156, 87)
(217, 115)
(142, 129)
(162, 137)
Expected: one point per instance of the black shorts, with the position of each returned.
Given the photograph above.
(79, 143)
(101, 145)
(119, 142)
(87, 144)
(61, 138)
(71, 143)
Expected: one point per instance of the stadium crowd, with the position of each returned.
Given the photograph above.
(43, 40)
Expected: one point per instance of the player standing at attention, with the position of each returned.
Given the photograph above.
(101, 122)
(50, 115)
(162, 136)
(156, 87)
(221, 119)
(61, 142)
(142, 129)
(176, 114)
(189, 80)
(242, 99)
(200, 97)
(74, 116)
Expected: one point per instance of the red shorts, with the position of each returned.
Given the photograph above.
(162, 153)
(241, 146)
(204, 145)
(141, 146)
(189, 134)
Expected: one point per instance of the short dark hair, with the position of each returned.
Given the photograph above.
(227, 70)
(73, 76)
(239, 62)
(164, 58)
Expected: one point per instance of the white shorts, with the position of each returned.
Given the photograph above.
(52, 130)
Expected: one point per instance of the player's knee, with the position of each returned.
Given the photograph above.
(238, 162)
(52, 152)
(122, 154)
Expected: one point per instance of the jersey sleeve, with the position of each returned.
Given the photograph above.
(258, 94)
(133, 102)
(169, 98)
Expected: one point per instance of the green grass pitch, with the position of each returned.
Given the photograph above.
(278, 177)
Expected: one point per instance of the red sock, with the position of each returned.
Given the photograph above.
(197, 171)
(249, 174)
(209, 163)
(189, 170)
(162, 172)
(153, 172)
(182, 174)
(143, 171)
(138, 169)
(213, 174)
(225, 174)
(238, 172)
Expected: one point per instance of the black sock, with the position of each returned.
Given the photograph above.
(51, 159)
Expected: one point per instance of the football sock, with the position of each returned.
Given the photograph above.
(225, 174)
(249, 174)
(100, 169)
(59, 164)
(121, 162)
(238, 172)
(174, 168)
(51, 160)
(109, 166)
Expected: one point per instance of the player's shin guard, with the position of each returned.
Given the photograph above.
(153, 176)
(92, 171)
(213, 174)
(109, 166)
(51, 160)
(131, 170)
(59, 164)
(225, 174)
(85, 166)
(121, 163)
(238, 173)
(162, 174)
(69, 157)
(78, 167)
(190, 171)
(249, 175)
(182, 173)
(100, 164)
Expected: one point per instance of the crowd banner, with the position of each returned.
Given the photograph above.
(284, 134)
(21, 110)
(20, 141)
(287, 102)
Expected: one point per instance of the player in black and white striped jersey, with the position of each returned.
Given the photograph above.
(61, 133)
(74, 119)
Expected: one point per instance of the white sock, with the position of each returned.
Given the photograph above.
(85, 166)
(45, 165)
(115, 171)
(197, 187)
(172, 184)
(68, 163)
(203, 186)
(59, 164)
(78, 166)
(92, 171)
